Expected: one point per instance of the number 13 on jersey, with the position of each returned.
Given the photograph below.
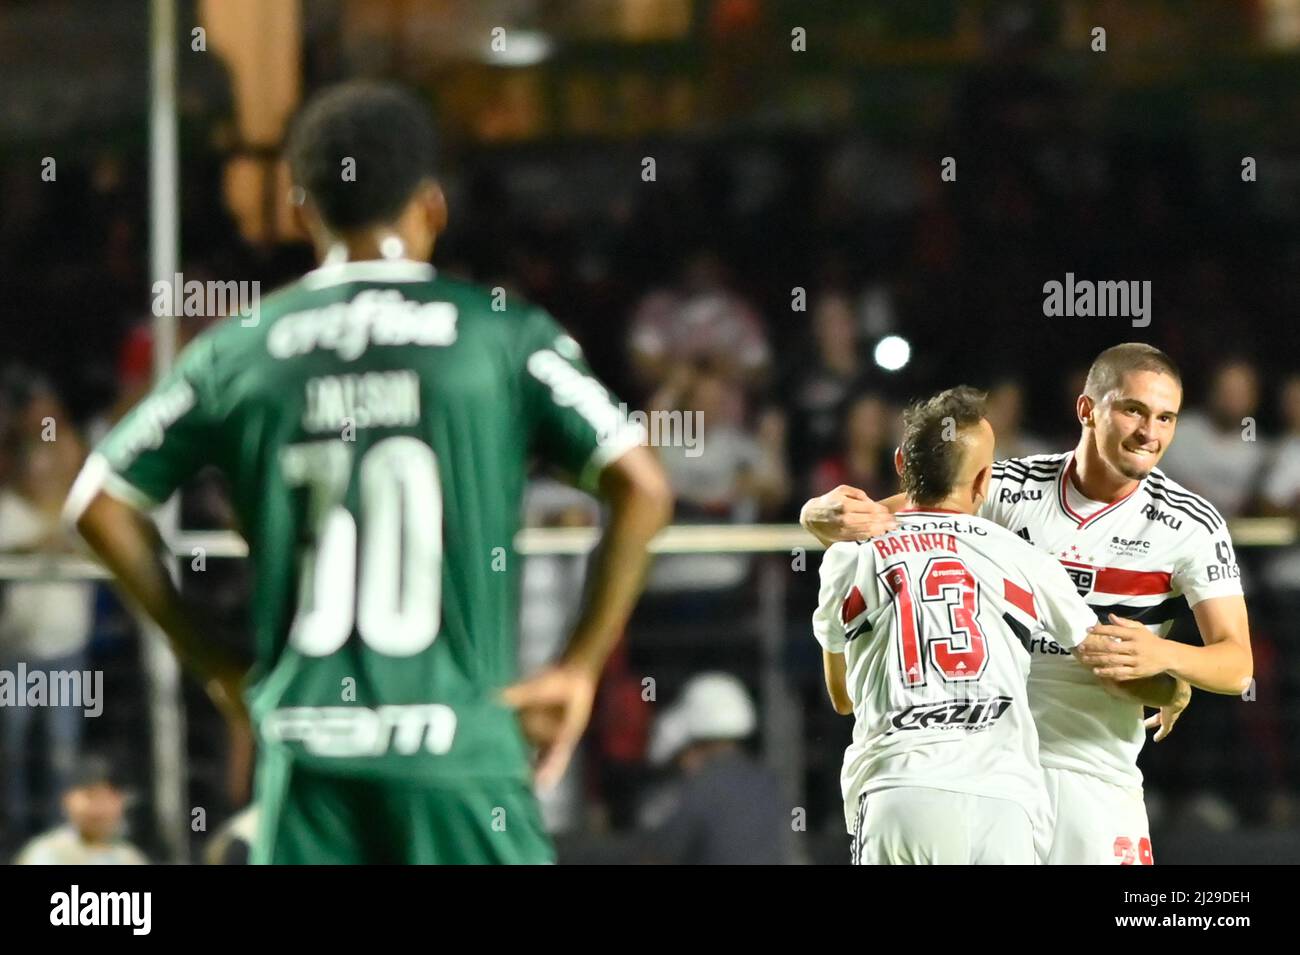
(959, 651)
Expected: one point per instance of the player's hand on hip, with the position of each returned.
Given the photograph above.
(846, 514)
(554, 707)
(1123, 650)
(1169, 714)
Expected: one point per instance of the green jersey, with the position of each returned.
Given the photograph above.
(375, 424)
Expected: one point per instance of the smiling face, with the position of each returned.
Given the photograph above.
(1134, 423)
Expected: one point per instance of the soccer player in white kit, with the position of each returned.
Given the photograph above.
(926, 634)
(1135, 542)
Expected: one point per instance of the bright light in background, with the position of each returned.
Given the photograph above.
(519, 48)
(892, 352)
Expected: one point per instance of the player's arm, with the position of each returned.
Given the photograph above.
(640, 505)
(151, 452)
(837, 684)
(847, 514)
(1162, 689)
(838, 568)
(1208, 575)
(128, 543)
(555, 705)
(1223, 664)
(1070, 621)
(576, 426)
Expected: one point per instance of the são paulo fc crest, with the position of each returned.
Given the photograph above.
(1084, 577)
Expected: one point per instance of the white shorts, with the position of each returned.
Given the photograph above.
(911, 825)
(1095, 822)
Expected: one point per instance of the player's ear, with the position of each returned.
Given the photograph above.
(898, 461)
(1084, 407)
(981, 484)
(434, 202)
(304, 213)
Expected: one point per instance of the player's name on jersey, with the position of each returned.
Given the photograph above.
(373, 317)
(375, 399)
(914, 543)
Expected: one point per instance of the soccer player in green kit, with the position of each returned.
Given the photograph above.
(375, 425)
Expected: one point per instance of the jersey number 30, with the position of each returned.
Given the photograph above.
(959, 651)
(395, 602)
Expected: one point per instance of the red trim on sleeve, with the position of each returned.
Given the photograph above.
(1018, 597)
(854, 606)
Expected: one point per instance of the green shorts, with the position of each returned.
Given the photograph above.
(314, 818)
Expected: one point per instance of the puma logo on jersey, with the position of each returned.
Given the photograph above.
(972, 715)
(1008, 496)
(1153, 513)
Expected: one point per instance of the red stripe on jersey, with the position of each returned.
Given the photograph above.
(1133, 583)
(854, 605)
(1018, 597)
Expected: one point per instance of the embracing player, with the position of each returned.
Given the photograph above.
(926, 635)
(1135, 543)
(376, 425)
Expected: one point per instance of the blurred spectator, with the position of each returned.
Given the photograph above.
(866, 460)
(1212, 453)
(45, 625)
(822, 383)
(723, 473)
(1006, 408)
(726, 809)
(726, 472)
(703, 321)
(1281, 487)
(1281, 497)
(95, 808)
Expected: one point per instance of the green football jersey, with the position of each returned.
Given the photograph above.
(375, 424)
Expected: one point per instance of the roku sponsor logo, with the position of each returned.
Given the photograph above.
(1008, 496)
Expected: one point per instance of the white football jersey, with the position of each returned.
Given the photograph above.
(1136, 557)
(936, 621)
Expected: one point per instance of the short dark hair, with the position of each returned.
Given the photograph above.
(932, 451)
(1108, 370)
(385, 130)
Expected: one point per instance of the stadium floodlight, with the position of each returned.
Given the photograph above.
(892, 352)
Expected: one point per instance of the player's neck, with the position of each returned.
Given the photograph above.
(366, 246)
(951, 504)
(1093, 479)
